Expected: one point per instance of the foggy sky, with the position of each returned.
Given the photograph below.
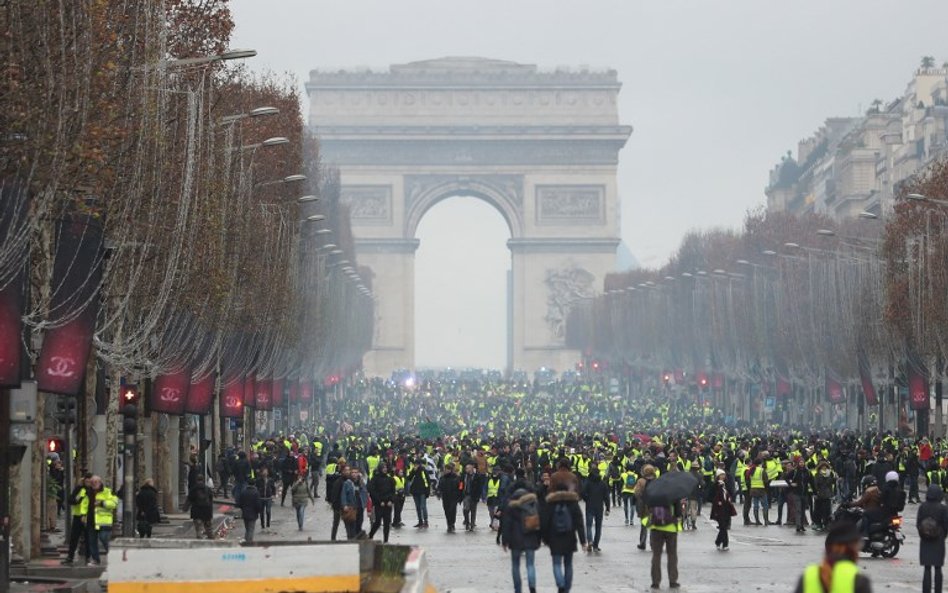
(717, 91)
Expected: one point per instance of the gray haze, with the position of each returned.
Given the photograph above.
(717, 92)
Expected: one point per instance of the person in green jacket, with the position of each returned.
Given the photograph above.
(301, 497)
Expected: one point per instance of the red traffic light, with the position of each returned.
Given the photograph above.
(54, 445)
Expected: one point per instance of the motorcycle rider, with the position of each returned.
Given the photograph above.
(870, 502)
(893, 496)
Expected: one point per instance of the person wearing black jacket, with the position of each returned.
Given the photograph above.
(799, 485)
(242, 471)
(249, 504)
(382, 491)
(931, 553)
(267, 488)
(201, 502)
(290, 467)
(146, 508)
(450, 489)
(596, 496)
(518, 538)
(560, 534)
(334, 498)
(77, 530)
(473, 491)
(419, 486)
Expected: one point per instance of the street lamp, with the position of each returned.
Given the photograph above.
(826, 232)
(769, 252)
(791, 245)
(743, 262)
(233, 54)
(866, 215)
(287, 179)
(275, 141)
(315, 218)
(258, 112)
(324, 232)
(307, 199)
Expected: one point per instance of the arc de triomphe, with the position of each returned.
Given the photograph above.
(541, 147)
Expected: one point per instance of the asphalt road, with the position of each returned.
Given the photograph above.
(761, 559)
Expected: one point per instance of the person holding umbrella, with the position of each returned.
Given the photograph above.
(664, 520)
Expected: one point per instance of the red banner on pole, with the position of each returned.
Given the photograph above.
(277, 399)
(169, 394)
(250, 392)
(306, 392)
(11, 329)
(294, 390)
(201, 396)
(865, 378)
(263, 399)
(918, 390)
(232, 400)
(784, 387)
(834, 390)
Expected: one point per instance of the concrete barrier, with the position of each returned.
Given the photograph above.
(202, 566)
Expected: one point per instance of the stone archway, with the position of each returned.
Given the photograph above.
(541, 147)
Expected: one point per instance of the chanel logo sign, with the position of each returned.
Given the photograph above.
(62, 366)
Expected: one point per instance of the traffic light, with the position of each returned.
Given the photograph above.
(129, 409)
(65, 410)
(55, 445)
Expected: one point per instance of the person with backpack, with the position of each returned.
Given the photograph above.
(300, 496)
(520, 533)
(201, 504)
(893, 495)
(648, 474)
(932, 524)
(249, 504)
(664, 523)
(561, 524)
(629, 478)
(596, 496)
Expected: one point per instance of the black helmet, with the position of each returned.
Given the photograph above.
(868, 481)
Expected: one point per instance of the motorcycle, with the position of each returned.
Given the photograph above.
(885, 537)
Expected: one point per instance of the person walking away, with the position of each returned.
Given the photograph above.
(399, 478)
(696, 496)
(78, 500)
(362, 502)
(824, 486)
(242, 471)
(629, 478)
(648, 474)
(664, 523)
(300, 497)
(54, 490)
(450, 487)
(838, 572)
(520, 533)
(224, 465)
(722, 509)
(266, 486)
(932, 525)
(382, 492)
(561, 524)
(249, 504)
(334, 497)
(596, 496)
(146, 505)
(201, 504)
(419, 486)
(473, 492)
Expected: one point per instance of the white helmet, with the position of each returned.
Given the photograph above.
(892, 477)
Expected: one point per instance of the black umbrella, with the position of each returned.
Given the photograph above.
(669, 488)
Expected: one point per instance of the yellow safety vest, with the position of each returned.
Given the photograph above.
(104, 513)
(773, 469)
(842, 581)
(372, 461)
(493, 487)
(399, 484)
(757, 477)
(582, 465)
(673, 528)
(741, 470)
(82, 506)
(330, 469)
(628, 488)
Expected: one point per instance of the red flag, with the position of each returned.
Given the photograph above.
(232, 400)
(263, 395)
(865, 377)
(201, 396)
(277, 398)
(11, 327)
(169, 394)
(306, 392)
(834, 390)
(294, 392)
(250, 391)
(918, 389)
(784, 387)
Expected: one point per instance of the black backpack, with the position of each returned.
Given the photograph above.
(201, 496)
(929, 529)
(562, 519)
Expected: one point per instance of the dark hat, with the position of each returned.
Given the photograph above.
(842, 532)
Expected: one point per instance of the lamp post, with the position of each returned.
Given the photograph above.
(258, 112)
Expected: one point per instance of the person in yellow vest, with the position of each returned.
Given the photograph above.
(78, 501)
(494, 483)
(399, 478)
(100, 508)
(664, 523)
(628, 478)
(838, 573)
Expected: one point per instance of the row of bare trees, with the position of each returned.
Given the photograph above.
(128, 121)
(798, 299)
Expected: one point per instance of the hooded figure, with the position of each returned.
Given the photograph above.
(931, 552)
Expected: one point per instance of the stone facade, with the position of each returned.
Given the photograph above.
(851, 165)
(541, 147)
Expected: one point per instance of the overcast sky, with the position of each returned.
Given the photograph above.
(717, 91)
